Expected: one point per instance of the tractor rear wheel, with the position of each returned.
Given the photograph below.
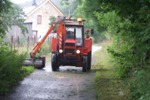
(54, 61)
(89, 61)
(85, 63)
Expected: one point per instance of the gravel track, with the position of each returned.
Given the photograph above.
(69, 83)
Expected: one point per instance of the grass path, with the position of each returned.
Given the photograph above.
(108, 85)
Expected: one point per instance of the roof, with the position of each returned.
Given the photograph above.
(31, 9)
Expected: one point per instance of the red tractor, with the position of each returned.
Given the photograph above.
(70, 46)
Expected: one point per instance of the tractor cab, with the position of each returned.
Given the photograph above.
(76, 34)
(75, 31)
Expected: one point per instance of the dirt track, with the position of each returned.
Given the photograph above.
(67, 84)
(70, 83)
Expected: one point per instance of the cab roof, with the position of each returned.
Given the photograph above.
(73, 22)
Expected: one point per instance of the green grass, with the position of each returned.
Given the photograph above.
(108, 85)
(27, 70)
(44, 50)
(8, 83)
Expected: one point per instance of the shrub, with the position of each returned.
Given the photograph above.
(10, 68)
(140, 85)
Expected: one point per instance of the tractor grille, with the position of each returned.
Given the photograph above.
(69, 51)
(69, 44)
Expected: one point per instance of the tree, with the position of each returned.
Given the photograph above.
(128, 21)
(4, 6)
(86, 9)
(10, 14)
(69, 7)
(52, 19)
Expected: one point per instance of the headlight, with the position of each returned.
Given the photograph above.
(79, 19)
(60, 51)
(78, 51)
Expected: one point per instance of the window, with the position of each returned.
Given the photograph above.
(79, 37)
(70, 33)
(39, 19)
(75, 33)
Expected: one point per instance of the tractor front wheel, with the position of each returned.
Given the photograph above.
(54, 62)
(85, 63)
(89, 61)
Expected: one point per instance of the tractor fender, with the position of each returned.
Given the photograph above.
(87, 46)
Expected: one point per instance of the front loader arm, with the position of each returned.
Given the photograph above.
(39, 44)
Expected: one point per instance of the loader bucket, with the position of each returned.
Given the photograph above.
(28, 62)
(38, 63)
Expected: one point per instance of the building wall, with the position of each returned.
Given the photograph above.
(45, 11)
(16, 32)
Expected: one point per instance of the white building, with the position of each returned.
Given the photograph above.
(39, 14)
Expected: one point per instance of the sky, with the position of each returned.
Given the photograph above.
(56, 2)
(19, 1)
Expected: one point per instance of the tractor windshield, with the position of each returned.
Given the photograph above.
(79, 36)
(75, 33)
(70, 33)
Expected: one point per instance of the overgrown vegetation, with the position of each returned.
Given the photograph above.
(108, 85)
(10, 14)
(45, 49)
(128, 21)
(128, 24)
(11, 70)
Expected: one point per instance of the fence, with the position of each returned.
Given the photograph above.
(25, 44)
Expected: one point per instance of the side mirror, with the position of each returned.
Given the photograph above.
(87, 30)
(92, 31)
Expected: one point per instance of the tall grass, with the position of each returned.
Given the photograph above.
(108, 85)
(140, 84)
(43, 50)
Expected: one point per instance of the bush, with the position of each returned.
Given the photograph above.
(11, 70)
(140, 90)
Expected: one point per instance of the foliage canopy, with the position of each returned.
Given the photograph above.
(128, 24)
(10, 14)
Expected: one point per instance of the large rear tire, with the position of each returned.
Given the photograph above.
(89, 61)
(54, 62)
(84, 67)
